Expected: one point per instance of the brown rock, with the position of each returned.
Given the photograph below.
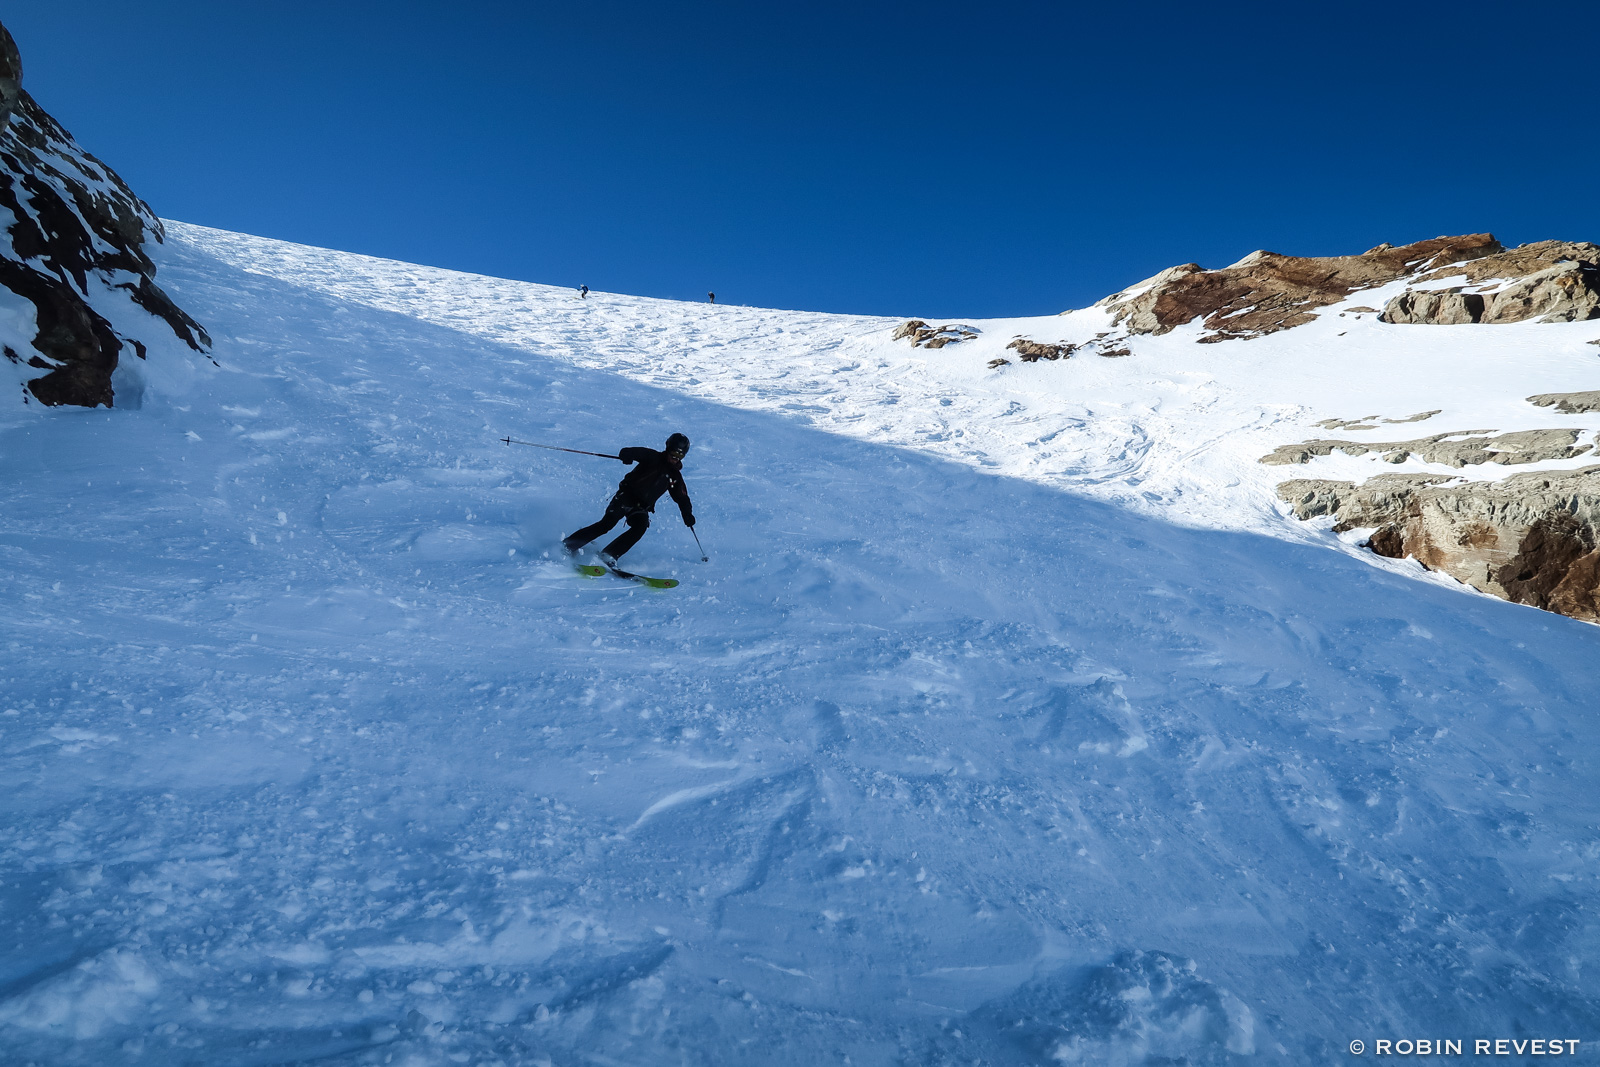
(1556, 567)
(1519, 262)
(1033, 351)
(1388, 541)
(1530, 538)
(1265, 292)
(1551, 281)
(924, 336)
(1135, 307)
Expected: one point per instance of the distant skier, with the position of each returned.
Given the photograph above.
(712, 297)
(583, 291)
(656, 473)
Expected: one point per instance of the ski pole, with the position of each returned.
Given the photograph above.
(703, 557)
(558, 448)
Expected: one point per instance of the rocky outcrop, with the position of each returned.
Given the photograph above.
(74, 250)
(1457, 448)
(1033, 351)
(1568, 403)
(1266, 292)
(1370, 422)
(1449, 307)
(924, 336)
(1030, 351)
(10, 76)
(1547, 281)
(1530, 538)
(1567, 293)
(1523, 261)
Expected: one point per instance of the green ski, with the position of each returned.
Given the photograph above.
(594, 571)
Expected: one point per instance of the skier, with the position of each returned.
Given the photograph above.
(656, 473)
(711, 298)
(583, 291)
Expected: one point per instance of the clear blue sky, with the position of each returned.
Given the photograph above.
(941, 159)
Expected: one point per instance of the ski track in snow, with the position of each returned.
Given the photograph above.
(1010, 723)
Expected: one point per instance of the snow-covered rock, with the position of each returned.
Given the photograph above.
(76, 282)
(1266, 292)
(1513, 539)
(1454, 448)
(1551, 281)
(1031, 351)
(921, 335)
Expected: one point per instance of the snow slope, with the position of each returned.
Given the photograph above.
(1011, 723)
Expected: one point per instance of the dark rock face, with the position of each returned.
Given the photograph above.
(74, 251)
(1556, 567)
(1530, 538)
(10, 76)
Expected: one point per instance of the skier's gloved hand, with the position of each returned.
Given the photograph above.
(688, 519)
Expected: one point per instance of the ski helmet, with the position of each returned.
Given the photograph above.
(678, 445)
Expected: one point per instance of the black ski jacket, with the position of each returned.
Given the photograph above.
(655, 474)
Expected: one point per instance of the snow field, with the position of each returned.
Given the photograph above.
(1177, 430)
(315, 753)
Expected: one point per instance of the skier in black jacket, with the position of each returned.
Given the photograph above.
(656, 473)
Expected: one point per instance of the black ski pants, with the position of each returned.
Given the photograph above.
(638, 522)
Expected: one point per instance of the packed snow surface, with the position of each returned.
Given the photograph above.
(1012, 720)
